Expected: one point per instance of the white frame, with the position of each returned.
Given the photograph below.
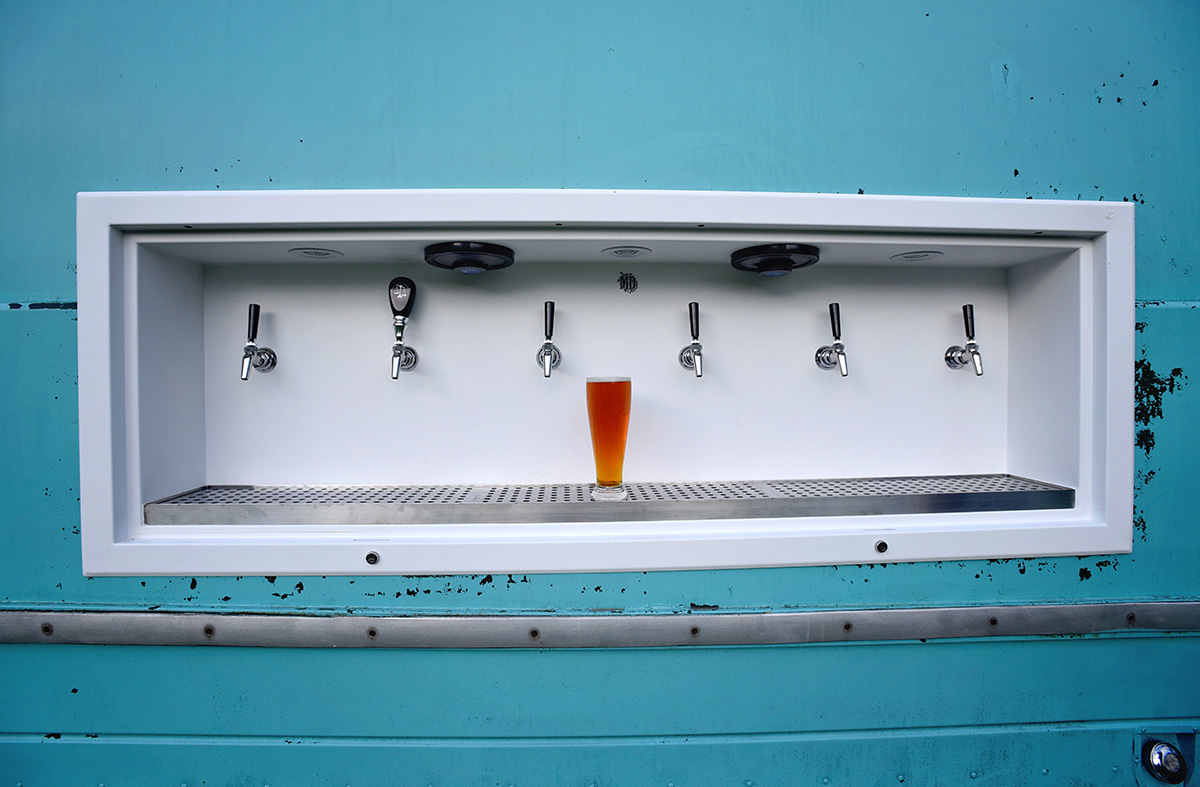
(116, 542)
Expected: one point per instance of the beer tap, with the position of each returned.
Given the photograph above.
(402, 293)
(549, 357)
(253, 356)
(689, 356)
(834, 355)
(958, 357)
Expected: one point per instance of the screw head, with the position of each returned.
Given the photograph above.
(372, 558)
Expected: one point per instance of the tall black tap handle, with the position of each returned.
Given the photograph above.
(835, 321)
(252, 327)
(402, 292)
(969, 321)
(549, 320)
(694, 319)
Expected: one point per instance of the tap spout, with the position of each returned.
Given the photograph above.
(404, 359)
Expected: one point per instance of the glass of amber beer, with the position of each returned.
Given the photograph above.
(608, 414)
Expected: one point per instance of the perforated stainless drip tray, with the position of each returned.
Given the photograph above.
(410, 505)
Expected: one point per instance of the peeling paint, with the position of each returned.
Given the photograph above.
(1149, 389)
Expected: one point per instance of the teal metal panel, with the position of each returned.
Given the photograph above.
(1098, 755)
(123, 690)
(1013, 100)
(958, 99)
(41, 569)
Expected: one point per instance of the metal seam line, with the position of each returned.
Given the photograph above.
(595, 631)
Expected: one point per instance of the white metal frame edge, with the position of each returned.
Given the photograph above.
(116, 543)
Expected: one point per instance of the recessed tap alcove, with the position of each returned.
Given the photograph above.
(473, 460)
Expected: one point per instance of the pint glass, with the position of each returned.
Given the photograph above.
(608, 414)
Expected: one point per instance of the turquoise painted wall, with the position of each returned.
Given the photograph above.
(1024, 99)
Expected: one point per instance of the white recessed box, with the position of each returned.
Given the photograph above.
(472, 462)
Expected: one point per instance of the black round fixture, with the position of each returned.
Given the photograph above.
(469, 256)
(775, 259)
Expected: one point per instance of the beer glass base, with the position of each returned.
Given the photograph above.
(609, 493)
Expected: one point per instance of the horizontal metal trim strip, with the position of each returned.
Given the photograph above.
(594, 631)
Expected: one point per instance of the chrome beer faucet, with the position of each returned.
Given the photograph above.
(549, 357)
(253, 356)
(834, 355)
(689, 356)
(958, 357)
(402, 293)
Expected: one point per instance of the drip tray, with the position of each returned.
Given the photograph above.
(481, 504)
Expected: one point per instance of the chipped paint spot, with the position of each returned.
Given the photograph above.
(1149, 389)
(1084, 574)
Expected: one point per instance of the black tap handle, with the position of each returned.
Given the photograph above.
(549, 320)
(694, 319)
(835, 321)
(252, 327)
(403, 293)
(969, 321)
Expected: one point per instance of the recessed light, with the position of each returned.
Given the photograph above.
(626, 252)
(916, 256)
(313, 253)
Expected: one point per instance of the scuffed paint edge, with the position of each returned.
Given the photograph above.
(42, 305)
